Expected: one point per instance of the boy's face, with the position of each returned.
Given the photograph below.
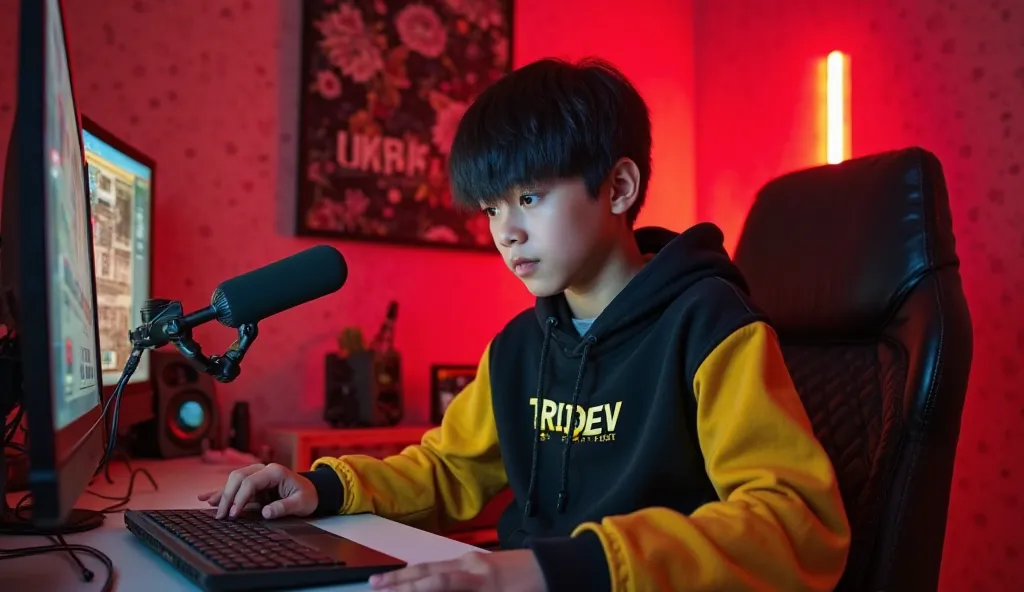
(553, 236)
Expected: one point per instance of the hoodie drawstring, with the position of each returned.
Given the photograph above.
(563, 494)
(549, 325)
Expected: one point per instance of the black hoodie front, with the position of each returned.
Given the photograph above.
(630, 381)
(693, 464)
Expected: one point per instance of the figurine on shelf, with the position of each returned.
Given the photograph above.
(350, 340)
(363, 386)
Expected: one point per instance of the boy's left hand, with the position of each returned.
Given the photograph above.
(507, 571)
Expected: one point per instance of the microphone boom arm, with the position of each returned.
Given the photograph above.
(164, 322)
(223, 368)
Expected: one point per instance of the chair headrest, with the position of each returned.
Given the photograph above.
(834, 249)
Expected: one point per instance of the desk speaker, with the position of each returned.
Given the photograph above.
(363, 389)
(185, 409)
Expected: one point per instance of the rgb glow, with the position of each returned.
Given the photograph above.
(837, 94)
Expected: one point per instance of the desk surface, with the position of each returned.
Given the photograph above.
(179, 481)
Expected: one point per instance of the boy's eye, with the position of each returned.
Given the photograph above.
(490, 212)
(526, 200)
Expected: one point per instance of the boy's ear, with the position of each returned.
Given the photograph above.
(624, 185)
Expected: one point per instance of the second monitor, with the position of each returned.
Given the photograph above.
(121, 192)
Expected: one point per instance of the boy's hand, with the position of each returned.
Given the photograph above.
(292, 494)
(507, 571)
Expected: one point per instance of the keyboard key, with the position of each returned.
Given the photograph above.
(241, 544)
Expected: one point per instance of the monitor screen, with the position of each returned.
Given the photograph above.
(120, 190)
(76, 386)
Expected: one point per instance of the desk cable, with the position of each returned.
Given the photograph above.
(56, 538)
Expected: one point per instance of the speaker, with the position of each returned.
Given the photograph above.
(363, 389)
(186, 411)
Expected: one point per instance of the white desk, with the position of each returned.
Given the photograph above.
(180, 481)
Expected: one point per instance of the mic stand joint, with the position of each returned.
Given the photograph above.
(224, 368)
(164, 321)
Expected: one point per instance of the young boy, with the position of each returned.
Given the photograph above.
(692, 464)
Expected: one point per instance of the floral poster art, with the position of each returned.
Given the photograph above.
(384, 85)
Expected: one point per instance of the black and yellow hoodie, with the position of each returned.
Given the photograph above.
(692, 464)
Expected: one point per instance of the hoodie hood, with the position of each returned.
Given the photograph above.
(678, 260)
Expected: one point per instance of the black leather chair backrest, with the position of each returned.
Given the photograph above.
(856, 266)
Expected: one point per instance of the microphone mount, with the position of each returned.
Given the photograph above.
(165, 321)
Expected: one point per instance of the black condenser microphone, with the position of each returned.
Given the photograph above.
(240, 303)
(274, 288)
(248, 298)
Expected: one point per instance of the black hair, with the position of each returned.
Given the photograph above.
(546, 121)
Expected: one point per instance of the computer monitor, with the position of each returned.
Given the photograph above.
(120, 181)
(47, 283)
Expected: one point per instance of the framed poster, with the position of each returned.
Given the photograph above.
(384, 84)
(446, 381)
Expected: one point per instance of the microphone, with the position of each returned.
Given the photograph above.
(274, 288)
(240, 303)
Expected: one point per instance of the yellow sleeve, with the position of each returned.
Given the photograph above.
(449, 476)
(780, 524)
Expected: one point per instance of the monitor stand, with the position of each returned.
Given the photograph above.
(14, 522)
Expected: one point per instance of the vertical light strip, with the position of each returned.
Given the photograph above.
(837, 96)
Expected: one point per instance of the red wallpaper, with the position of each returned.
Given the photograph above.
(948, 76)
(207, 88)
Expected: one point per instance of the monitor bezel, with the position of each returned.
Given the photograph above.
(136, 402)
(61, 467)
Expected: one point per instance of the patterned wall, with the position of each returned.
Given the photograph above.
(207, 87)
(948, 76)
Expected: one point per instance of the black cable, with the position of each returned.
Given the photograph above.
(129, 368)
(9, 430)
(12, 428)
(87, 574)
(62, 545)
(122, 501)
(127, 462)
(23, 505)
(20, 513)
(108, 584)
